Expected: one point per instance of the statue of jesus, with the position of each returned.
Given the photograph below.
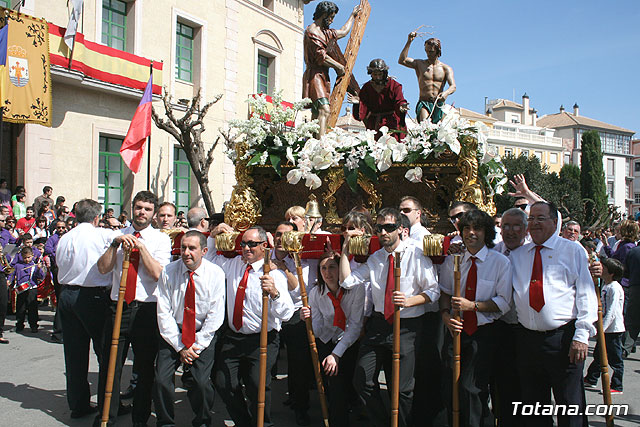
(318, 46)
(433, 76)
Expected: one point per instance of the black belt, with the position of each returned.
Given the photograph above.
(569, 325)
(134, 303)
(78, 287)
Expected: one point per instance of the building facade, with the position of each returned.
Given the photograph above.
(616, 151)
(231, 47)
(635, 204)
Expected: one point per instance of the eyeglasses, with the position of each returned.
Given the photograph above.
(407, 210)
(538, 218)
(251, 244)
(456, 217)
(516, 227)
(522, 206)
(389, 228)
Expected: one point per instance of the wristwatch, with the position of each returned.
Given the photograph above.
(476, 306)
(276, 297)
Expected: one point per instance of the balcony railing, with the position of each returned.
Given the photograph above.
(525, 137)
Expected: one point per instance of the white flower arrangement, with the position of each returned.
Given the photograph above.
(272, 141)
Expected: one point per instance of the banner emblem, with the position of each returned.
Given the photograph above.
(18, 66)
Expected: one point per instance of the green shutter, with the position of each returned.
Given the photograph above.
(263, 74)
(181, 180)
(110, 171)
(184, 52)
(114, 23)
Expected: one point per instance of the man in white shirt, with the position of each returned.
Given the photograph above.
(418, 286)
(294, 331)
(412, 209)
(190, 310)
(239, 356)
(83, 301)
(485, 295)
(556, 305)
(151, 251)
(197, 219)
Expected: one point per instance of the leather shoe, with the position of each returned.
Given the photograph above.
(302, 418)
(79, 413)
(128, 393)
(124, 409)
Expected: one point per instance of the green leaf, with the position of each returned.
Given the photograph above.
(370, 161)
(351, 176)
(275, 162)
(367, 170)
(413, 157)
(255, 160)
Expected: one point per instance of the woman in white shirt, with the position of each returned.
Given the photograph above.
(40, 229)
(336, 315)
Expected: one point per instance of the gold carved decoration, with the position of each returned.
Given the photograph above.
(335, 180)
(470, 188)
(245, 207)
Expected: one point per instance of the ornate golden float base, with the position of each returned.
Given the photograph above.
(261, 193)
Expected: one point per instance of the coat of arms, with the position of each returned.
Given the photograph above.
(18, 66)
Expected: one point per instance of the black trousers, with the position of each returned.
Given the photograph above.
(239, 363)
(475, 371)
(4, 300)
(299, 369)
(57, 323)
(337, 387)
(428, 406)
(505, 387)
(82, 314)
(27, 304)
(200, 391)
(632, 318)
(543, 366)
(140, 326)
(375, 351)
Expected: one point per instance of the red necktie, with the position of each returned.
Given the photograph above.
(189, 315)
(237, 308)
(470, 324)
(536, 293)
(388, 293)
(339, 318)
(132, 273)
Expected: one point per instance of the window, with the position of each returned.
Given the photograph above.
(181, 180)
(508, 152)
(567, 158)
(636, 197)
(268, 4)
(524, 153)
(610, 189)
(636, 167)
(5, 3)
(554, 158)
(263, 74)
(184, 52)
(110, 173)
(114, 23)
(538, 154)
(611, 167)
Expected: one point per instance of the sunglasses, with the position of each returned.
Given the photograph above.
(251, 244)
(389, 228)
(407, 210)
(456, 217)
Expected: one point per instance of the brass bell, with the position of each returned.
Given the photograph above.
(312, 210)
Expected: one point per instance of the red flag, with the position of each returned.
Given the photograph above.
(132, 148)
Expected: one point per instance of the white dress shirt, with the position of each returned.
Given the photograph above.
(322, 312)
(368, 299)
(567, 285)
(494, 281)
(510, 317)
(280, 310)
(309, 274)
(159, 246)
(77, 256)
(418, 276)
(209, 293)
(418, 232)
(612, 296)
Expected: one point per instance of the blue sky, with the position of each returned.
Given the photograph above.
(558, 52)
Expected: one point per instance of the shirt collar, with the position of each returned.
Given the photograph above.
(550, 243)
(256, 266)
(480, 255)
(198, 271)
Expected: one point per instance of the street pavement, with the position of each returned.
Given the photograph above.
(32, 387)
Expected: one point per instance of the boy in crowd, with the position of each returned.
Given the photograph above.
(612, 296)
(27, 275)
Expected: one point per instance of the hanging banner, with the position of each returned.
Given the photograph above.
(26, 79)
